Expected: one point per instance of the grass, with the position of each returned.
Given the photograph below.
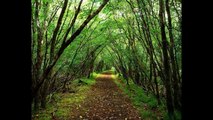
(147, 105)
(177, 115)
(148, 115)
(60, 107)
(94, 75)
(115, 76)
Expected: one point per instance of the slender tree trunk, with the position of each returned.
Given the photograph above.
(36, 103)
(55, 32)
(124, 72)
(44, 91)
(169, 99)
(173, 60)
(63, 46)
(37, 71)
(156, 87)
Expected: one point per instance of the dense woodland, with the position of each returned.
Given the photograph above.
(140, 39)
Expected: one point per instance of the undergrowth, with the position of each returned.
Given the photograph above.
(146, 104)
(59, 105)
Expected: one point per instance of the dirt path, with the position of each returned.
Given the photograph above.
(105, 102)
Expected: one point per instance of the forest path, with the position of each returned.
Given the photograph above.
(105, 101)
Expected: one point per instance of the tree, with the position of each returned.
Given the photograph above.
(43, 64)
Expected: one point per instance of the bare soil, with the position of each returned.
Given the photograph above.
(105, 101)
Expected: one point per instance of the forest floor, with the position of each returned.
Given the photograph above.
(105, 101)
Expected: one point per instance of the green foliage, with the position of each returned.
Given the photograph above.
(88, 81)
(60, 102)
(82, 82)
(115, 76)
(148, 115)
(147, 105)
(93, 75)
(153, 103)
(177, 114)
(121, 34)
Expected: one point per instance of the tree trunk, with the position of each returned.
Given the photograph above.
(169, 99)
(123, 69)
(44, 91)
(36, 101)
(173, 60)
(55, 32)
(63, 46)
(156, 87)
